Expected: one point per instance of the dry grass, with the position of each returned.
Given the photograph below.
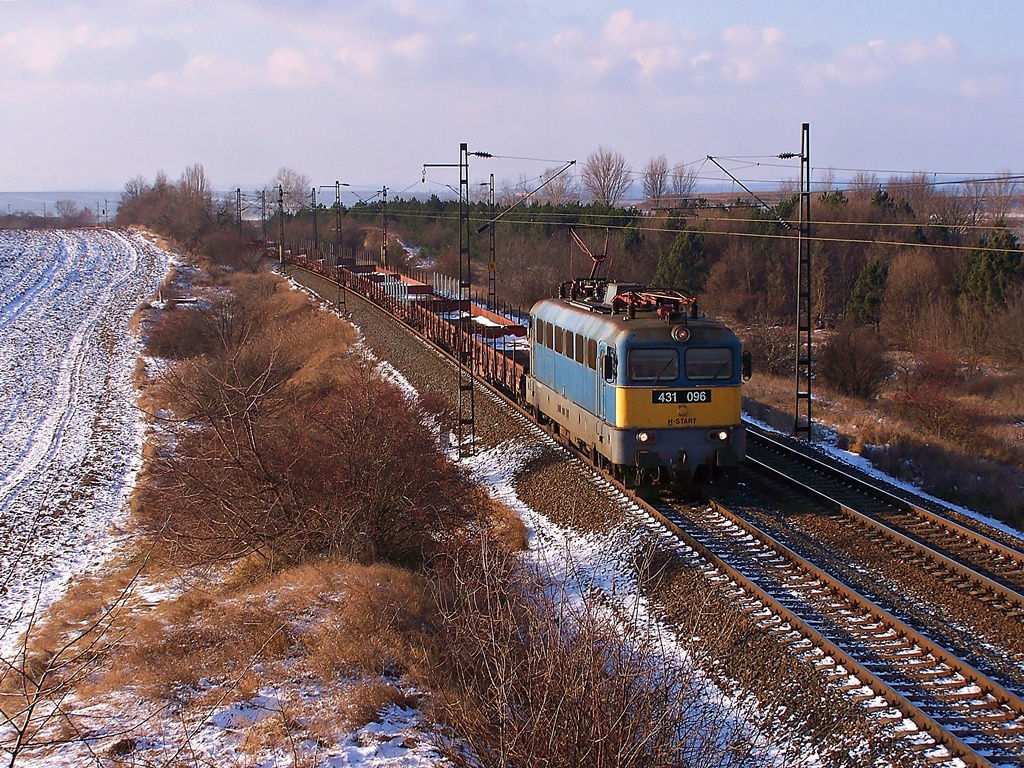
(957, 434)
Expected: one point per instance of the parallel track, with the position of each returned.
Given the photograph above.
(988, 570)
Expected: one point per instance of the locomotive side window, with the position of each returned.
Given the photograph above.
(709, 364)
(559, 339)
(567, 347)
(592, 354)
(549, 331)
(580, 349)
(652, 364)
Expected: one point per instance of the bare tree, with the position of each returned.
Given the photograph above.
(510, 192)
(864, 184)
(683, 181)
(194, 185)
(1002, 195)
(295, 187)
(917, 189)
(990, 199)
(67, 210)
(559, 188)
(134, 188)
(973, 193)
(656, 179)
(606, 175)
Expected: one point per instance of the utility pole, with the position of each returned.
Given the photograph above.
(384, 227)
(238, 211)
(316, 237)
(804, 331)
(467, 406)
(263, 217)
(492, 294)
(280, 211)
(337, 221)
(464, 344)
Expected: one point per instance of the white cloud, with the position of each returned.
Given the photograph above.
(43, 50)
(748, 54)
(412, 46)
(288, 67)
(205, 75)
(984, 88)
(882, 59)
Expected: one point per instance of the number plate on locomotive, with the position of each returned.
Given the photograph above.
(681, 396)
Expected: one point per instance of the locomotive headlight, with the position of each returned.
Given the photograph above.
(718, 435)
(646, 437)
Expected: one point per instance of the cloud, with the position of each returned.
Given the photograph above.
(289, 67)
(86, 52)
(748, 54)
(882, 59)
(43, 51)
(984, 88)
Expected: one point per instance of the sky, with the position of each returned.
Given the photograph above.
(366, 92)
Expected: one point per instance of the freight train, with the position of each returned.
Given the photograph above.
(634, 379)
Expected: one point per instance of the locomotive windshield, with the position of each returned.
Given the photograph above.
(709, 364)
(652, 364)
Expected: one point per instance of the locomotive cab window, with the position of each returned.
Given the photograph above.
(715, 363)
(652, 364)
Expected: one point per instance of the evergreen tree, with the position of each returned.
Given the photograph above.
(685, 266)
(865, 304)
(988, 271)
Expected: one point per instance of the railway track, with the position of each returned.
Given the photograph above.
(949, 695)
(992, 570)
(961, 716)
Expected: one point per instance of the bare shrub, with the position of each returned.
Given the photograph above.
(284, 475)
(1008, 329)
(772, 347)
(932, 407)
(855, 362)
(178, 334)
(59, 653)
(529, 677)
(193, 637)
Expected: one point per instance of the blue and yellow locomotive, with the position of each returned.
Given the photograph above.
(639, 382)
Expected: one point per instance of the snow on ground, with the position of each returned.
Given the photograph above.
(70, 445)
(70, 440)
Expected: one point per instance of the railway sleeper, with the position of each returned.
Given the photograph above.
(925, 674)
(1004, 744)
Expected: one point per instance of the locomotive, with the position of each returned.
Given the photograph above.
(639, 382)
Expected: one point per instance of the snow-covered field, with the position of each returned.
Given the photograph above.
(69, 427)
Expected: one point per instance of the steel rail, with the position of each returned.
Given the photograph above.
(755, 435)
(1010, 596)
(879, 687)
